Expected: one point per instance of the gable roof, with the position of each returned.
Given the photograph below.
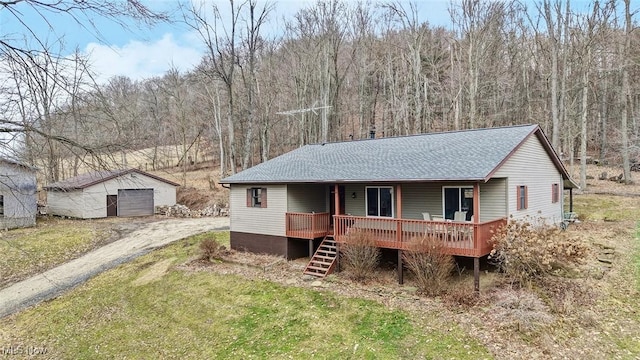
(89, 179)
(18, 163)
(470, 155)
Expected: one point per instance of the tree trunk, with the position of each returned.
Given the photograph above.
(583, 123)
(553, 38)
(626, 95)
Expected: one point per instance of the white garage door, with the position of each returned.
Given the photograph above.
(135, 202)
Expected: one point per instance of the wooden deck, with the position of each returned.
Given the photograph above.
(461, 238)
(307, 225)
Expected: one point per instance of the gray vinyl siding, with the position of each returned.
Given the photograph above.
(355, 206)
(419, 198)
(427, 197)
(267, 221)
(493, 200)
(18, 188)
(416, 199)
(531, 166)
(306, 198)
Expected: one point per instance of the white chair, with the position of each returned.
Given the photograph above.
(462, 233)
(460, 216)
(426, 216)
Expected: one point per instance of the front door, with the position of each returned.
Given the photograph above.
(332, 201)
(112, 205)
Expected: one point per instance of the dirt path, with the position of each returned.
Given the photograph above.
(59, 279)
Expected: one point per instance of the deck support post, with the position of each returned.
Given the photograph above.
(571, 200)
(400, 268)
(476, 274)
(338, 257)
(310, 248)
(476, 203)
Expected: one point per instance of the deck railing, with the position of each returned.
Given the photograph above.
(460, 238)
(307, 225)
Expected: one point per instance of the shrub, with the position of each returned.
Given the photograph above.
(567, 296)
(463, 297)
(430, 265)
(211, 250)
(519, 310)
(528, 249)
(360, 255)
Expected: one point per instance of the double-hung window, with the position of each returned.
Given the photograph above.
(521, 197)
(379, 201)
(257, 197)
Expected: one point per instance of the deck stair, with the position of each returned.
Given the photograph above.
(324, 260)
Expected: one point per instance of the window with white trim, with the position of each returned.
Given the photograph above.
(379, 201)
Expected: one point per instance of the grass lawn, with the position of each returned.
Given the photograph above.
(156, 307)
(152, 308)
(608, 208)
(636, 257)
(625, 300)
(53, 241)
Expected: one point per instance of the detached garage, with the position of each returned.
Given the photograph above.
(129, 192)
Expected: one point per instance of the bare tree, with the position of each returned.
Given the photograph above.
(42, 72)
(221, 41)
(626, 93)
(479, 25)
(554, 33)
(252, 44)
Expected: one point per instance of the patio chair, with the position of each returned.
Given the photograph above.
(464, 233)
(460, 216)
(426, 216)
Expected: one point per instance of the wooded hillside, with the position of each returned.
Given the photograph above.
(342, 69)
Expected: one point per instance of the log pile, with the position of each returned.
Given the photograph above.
(181, 211)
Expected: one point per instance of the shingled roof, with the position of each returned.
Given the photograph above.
(470, 155)
(89, 179)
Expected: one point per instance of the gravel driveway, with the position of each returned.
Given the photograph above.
(53, 282)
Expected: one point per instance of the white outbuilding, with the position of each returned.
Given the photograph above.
(125, 192)
(17, 194)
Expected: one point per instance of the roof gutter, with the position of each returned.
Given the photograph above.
(355, 181)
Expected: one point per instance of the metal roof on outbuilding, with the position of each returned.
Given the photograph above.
(89, 179)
